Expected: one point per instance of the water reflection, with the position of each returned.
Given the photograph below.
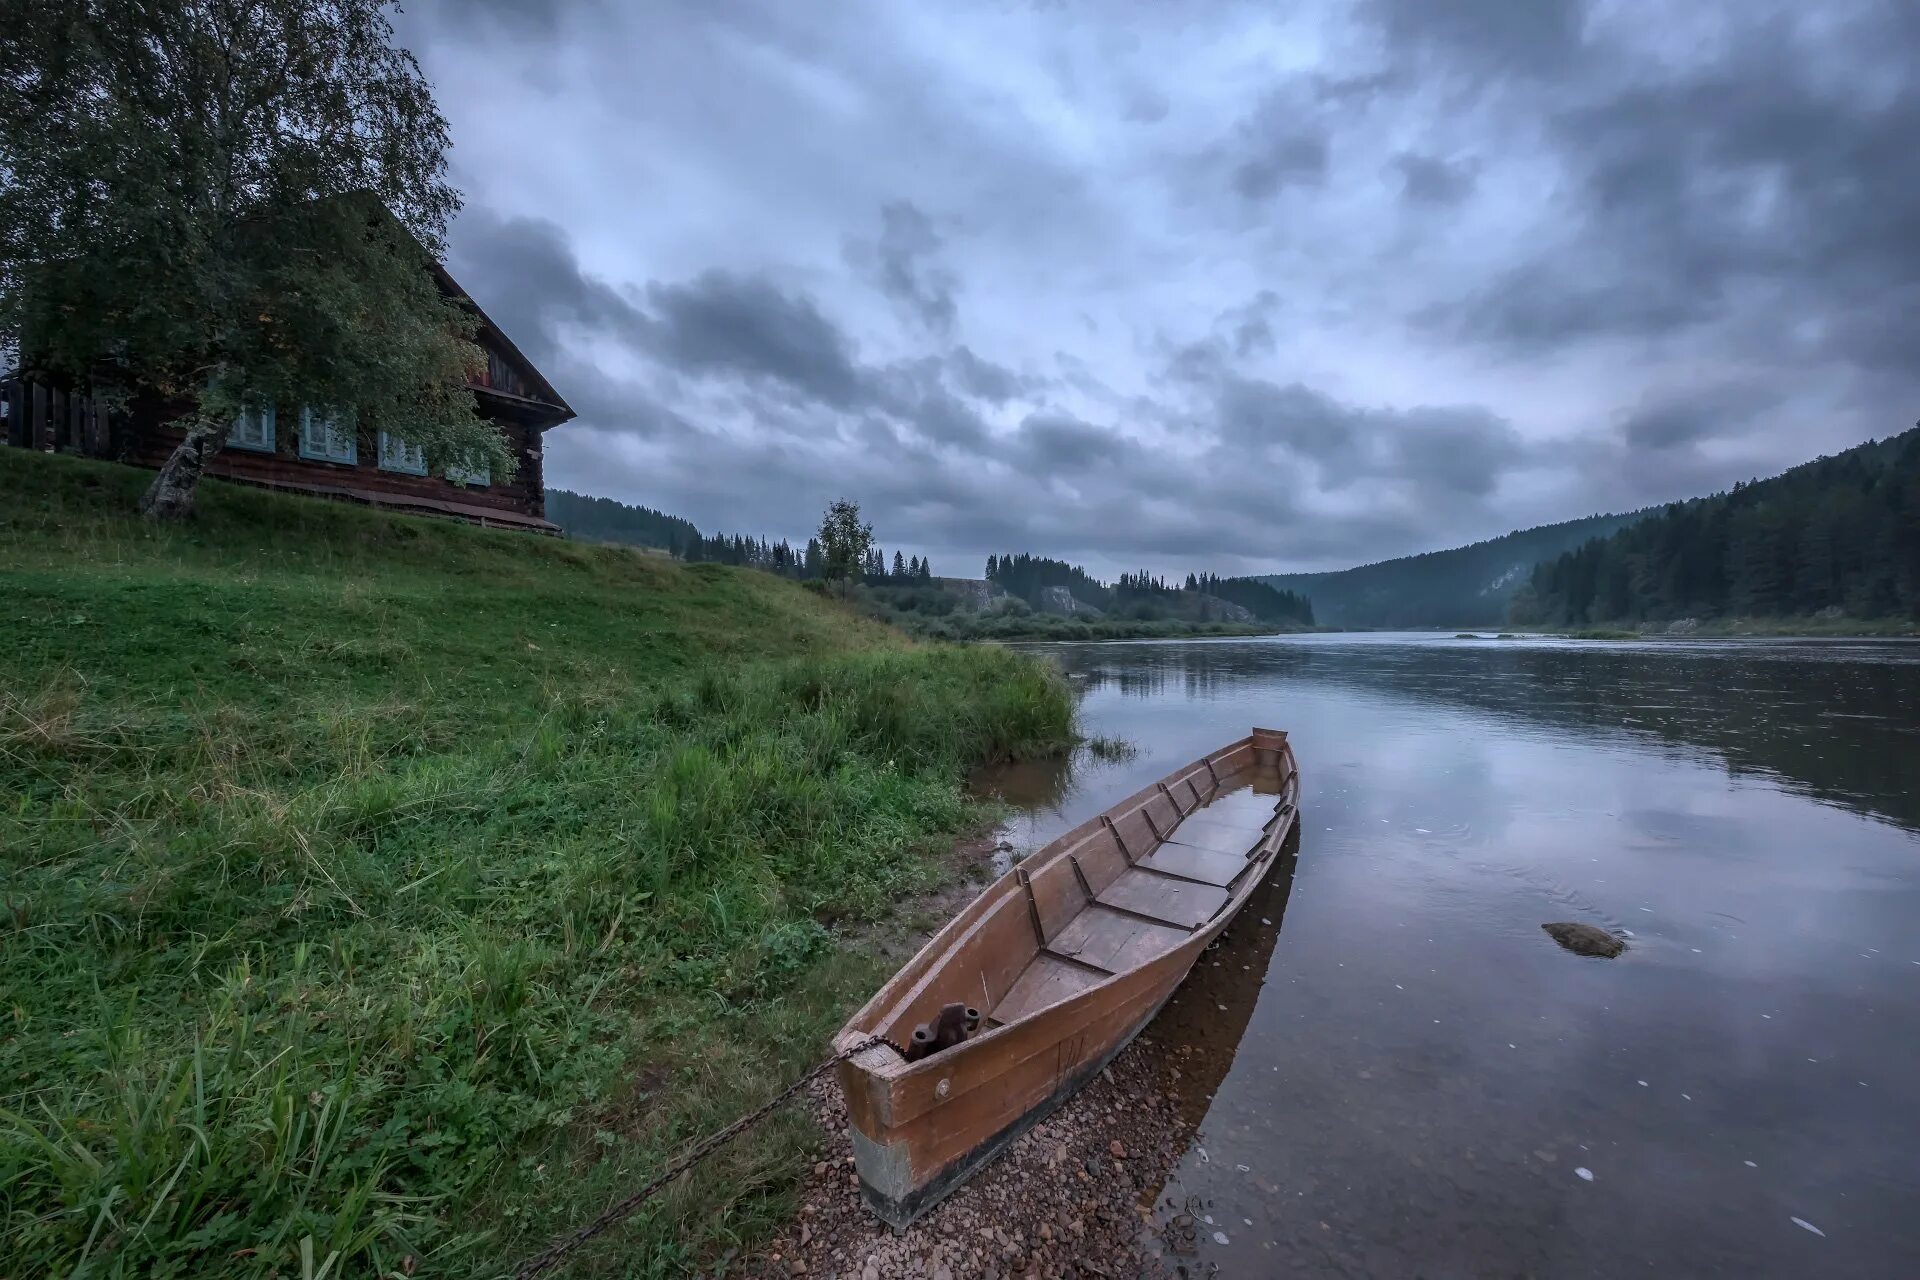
(1424, 1073)
(1847, 730)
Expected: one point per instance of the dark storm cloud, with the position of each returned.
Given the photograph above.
(1060, 442)
(902, 262)
(1439, 450)
(721, 323)
(984, 379)
(1280, 155)
(524, 273)
(1432, 180)
(1525, 36)
(1203, 289)
(1684, 419)
(1773, 171)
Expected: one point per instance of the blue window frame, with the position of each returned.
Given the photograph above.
(401, 455)
(253, 430)
(325, 438)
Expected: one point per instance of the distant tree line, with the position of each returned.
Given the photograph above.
(605, 520)
(1257, 597)
(1026, 576)
(1144, 596)
(1838, 534)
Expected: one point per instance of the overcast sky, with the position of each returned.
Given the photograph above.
(1189, 285)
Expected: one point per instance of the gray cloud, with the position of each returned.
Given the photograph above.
(901, 263)
(1532, 37)
(1432, 180)
(1288, 156)
(721, 322)
(1417, 275)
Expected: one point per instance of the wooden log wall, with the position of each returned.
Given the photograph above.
(52, 419)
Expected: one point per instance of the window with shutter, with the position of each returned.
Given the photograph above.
(253, 430)
(326, 439)
(402, 455)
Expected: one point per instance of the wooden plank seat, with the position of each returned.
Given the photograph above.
(1192, 862)
(1231, 842)
(1114, 941)
(1163, 897)
(1047, 980)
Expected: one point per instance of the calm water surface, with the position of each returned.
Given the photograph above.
(1422, 1083)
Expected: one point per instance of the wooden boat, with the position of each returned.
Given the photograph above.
(1035, 986)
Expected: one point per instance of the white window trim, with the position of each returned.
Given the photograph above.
(402, 456)
(312, 424)
(261, 418)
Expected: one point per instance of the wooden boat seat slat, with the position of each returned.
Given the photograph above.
(1116, 941)
(1201, 863)
(1099, 971)
(1248, 827)
(1241, 808)
(1046, 981)
(1164, 898)
(1233, 844)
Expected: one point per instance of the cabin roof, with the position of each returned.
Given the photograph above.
(491, 332)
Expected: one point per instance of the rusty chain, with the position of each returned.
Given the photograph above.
(560, 1248)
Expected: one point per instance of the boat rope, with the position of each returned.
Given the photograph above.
(549, 1257)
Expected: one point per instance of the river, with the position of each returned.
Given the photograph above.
(1426, 1084)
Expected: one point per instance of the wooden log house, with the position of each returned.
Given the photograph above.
(291, 448)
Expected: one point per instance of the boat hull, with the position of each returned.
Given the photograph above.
(920, 1129)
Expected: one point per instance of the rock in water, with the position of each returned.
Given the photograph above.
(1585, 939)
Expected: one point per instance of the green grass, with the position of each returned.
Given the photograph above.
(382, 896)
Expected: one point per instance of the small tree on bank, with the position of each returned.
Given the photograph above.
(214, 207)
(845, 542)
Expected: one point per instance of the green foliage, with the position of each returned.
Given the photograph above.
(1837, 537)
(1259, 598)
(846, 543)
(211, 207)
(461, 881)
(605, 520)
(1142, 597)
(1464, 586)
(1026, 576)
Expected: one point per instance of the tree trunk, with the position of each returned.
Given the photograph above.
(170, 496)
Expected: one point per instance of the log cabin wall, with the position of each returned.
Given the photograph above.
(517, 501)
(508, 391)
(50, 418)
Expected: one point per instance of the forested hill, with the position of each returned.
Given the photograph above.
(1463, 587)
(1839, 536)
(604, 520)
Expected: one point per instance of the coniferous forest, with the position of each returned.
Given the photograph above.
(1838, 537)
(1143, 596)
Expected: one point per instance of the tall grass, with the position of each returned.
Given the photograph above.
(317, 962)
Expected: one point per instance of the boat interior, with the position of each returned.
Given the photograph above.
(1109, 896)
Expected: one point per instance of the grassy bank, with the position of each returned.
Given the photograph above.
(392, 892)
